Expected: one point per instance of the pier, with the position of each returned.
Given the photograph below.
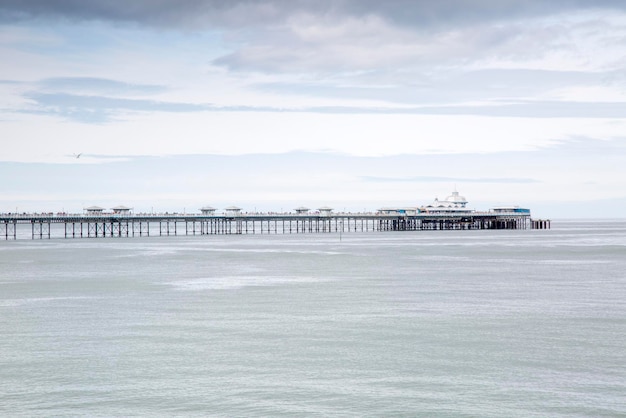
(450, 213)
(110, 225)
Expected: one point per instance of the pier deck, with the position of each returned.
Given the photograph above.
(40, 226)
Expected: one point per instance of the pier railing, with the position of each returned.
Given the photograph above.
(63, 225)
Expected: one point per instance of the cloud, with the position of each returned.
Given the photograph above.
(194, 13)
(98, 109)
(92, 85)
(411, 48)
(532, 109)
(342, 47)
(157, 13)
(494, 87)
(449, 180)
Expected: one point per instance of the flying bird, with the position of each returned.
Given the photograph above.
(78, 155)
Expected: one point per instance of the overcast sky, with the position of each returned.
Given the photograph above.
(355, 104)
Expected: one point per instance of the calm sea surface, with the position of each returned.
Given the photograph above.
(428, 323)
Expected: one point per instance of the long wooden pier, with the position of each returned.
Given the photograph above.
(46, 226)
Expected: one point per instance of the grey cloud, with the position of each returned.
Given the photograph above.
(98, 109)
(327, 46)
(89, 85)
(306, 37)
(159, 13)
(203, 13)
(101, 109)
(454, 12)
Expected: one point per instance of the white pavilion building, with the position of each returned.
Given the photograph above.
(452, 203)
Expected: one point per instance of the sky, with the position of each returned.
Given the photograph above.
(172, 105)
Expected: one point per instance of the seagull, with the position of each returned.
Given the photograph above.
(78, 155)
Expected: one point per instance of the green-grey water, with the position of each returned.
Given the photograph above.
(427, 323)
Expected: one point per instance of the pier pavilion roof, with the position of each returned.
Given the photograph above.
(94, 209)
(455, 198)
(454, 201)
(121, 208)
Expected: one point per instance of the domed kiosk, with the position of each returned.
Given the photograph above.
(452, 203)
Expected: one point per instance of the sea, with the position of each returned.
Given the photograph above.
(477, 323)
